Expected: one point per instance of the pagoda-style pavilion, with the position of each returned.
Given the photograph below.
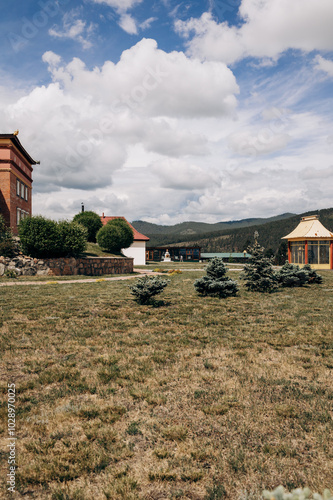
(311, 243)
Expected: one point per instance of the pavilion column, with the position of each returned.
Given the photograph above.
(289, 252)
(331, 254)
(306, 261)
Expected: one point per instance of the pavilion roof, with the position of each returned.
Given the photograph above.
(309, 227)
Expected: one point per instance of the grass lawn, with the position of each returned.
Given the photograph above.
(93, 250)
(195, 398)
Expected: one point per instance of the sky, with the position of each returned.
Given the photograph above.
(170, 111)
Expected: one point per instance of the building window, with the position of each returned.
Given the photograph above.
(18, 216)
(22, 190)
(297, 249)
(26, 193)
(319, 252)
(18, 187)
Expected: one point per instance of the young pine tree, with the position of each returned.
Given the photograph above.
(259, 273)
(216, 282)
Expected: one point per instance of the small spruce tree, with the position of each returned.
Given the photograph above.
(216, 282)
(259, 273)
(291, 275)
(147, 287)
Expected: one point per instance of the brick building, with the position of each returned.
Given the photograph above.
(15, 180)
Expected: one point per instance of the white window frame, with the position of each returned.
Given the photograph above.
(18, 216)
(26, 193)
(18, 188)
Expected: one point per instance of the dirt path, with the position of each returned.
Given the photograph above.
(54, 280)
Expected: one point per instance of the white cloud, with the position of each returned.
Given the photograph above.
(74, 29)
(147, 23)
(265, 141)
(120, 5)
(152, 82)
(82, 126)
(128, 24)
(179, 174)
(323, 64)
(270, 27)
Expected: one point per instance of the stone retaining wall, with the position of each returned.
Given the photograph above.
(94, 266)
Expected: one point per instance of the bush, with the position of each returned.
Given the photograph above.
(40, 237)
(314, 277)
(7, 243)
(91, 221)
(291, 275)
(259, 273)
(216, 282)
(115, 236)
(299, 494)
(146, 287)
(74, 238)
(45, 238)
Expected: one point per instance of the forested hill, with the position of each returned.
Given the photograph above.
(194, 229)
(237, 239)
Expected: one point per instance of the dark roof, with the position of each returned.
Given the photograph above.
(15, 140)
(137, 236)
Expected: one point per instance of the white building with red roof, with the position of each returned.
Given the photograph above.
(138, 248)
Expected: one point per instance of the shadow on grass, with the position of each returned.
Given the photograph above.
(154, 303)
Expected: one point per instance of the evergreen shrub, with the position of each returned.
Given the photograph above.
(291, 275)
(259, 273)
(7, 243)
(91, 221)
(216, 282)
(115, 236)
(147, 287)
(314, 277)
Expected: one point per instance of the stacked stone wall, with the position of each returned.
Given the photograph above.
(95, 266)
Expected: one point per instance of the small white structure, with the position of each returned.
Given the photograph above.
(166, 257)
(138, 248)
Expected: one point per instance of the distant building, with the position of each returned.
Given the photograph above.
(177, 254)
(15, 180)
(138, 248)
(310, 243)
(227, 257)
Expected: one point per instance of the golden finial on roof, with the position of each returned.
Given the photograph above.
(16, 132)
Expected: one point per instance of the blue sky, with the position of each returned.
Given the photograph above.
(169, 111)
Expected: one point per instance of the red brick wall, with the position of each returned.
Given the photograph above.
(5, 195)
(9, 200)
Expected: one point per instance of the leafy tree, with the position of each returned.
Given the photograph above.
(259, 273)
(147, 287)
(216, 282)
(91, 221)
(45, 238)
(74, 238)
(7, 243)
(40, 237)
(115, 235)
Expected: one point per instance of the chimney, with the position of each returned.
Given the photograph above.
(103, 215)
(82, 207)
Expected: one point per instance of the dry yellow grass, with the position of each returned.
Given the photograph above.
(199, 398)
